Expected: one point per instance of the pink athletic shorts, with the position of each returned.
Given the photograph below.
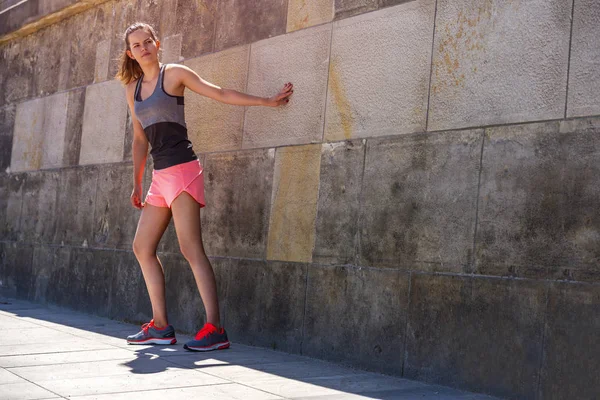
(168, 183)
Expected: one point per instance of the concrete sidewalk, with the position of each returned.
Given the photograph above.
(51, 353)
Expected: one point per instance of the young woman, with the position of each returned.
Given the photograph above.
(155, 95)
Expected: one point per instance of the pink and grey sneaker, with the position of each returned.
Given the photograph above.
(208, 338)
(150, 334)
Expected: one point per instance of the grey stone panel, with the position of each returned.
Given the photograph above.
(482, 334)
(242, 22)
(265, 303)
(15, 269)
(571, 350)
(238, 198)
(11, 199)
(46, 261)
(196, 23)
(52, 52)
(498, 62)
(419, 205)
(127, 300)
(72, 147)
(84, 283)
(338, 204)
(538, 203)
(357, 316)
(584, 74)
(75, 206)
(7, 121)
(40, 207)
(115, 219)
(348, 8)
(17, 60)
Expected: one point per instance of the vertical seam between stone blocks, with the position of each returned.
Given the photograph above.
(405, 355)
(327, 82)
(431, 68)
(305, 307)
(358, 243)
(569, 57)
(538, 394)
(472, 261)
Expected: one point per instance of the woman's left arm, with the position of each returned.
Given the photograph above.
(192, 81)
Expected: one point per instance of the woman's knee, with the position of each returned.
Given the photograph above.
(192, 252)
(142, 249)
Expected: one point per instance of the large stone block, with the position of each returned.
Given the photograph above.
(238, 198)
(420, 199)
(481, 334)
(348, 8)
(128, 296)
(196, 22)
(214, 126)
(571, 351)
(363, 97)
(40, 207)
(264, 303)
(17, 60)
(39, 133)
(47, 260)
(242, 22)
(15, 269)
(584, 74)
(301, 58)
(11, 199)
(294, 203)
(7, 122)
(75, 206)
(52, 58)
(338, 206)
(104, 123)
(362, 311)
(302, 14)
(102, 61)
(499, 62)
(72, 147)
(538, 213)
(115, 219)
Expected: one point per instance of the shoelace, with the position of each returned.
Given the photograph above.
(205, 331)
(147, 325)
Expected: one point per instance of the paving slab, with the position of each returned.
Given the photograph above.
(49, 352)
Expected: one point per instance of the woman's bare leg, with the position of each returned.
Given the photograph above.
(151, 226)
(186, 215)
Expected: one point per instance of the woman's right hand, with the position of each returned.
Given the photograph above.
(136, 197)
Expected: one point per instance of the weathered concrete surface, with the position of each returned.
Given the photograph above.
(242, 22)
(7, 122)
(47, 260)
(301, 58)
(584, 74)
(499, 62)
(196, 22)
(15, 269)
(538, 213)
(571, 351)
(104, 120)
(419, 205)
(40, 207)
(102, 61)
(264, 303)
(238, 197)
(364, 310)
(214, 126)
(171, 49)
(294, 203)
(11, 200)
(348, 8)
(302, 14)
(482, 334)
(72, 146)
(379, 72)
(338, 207)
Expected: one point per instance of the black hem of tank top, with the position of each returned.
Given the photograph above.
(162, 84)
(169, 165)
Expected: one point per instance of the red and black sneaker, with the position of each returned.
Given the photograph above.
(208, 338)
(150, 334)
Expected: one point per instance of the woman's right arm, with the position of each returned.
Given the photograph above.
(139, 151)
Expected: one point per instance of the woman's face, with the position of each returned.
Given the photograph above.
(142, 47)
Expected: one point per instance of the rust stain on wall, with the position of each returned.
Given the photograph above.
(340, 99)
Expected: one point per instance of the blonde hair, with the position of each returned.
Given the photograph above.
(129, 69)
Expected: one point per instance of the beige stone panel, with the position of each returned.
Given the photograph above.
(102, 60)
(171, 49)
(215, 126)
(306, 13)
(301, 58)
(379, 72)
(104, 119)
(39, 135)
(498, 62)
(294, 203)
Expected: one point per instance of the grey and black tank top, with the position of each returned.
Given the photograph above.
(163, 120)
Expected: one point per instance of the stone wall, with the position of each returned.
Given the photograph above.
(427, 205)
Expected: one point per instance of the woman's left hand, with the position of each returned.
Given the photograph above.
(283, 97)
